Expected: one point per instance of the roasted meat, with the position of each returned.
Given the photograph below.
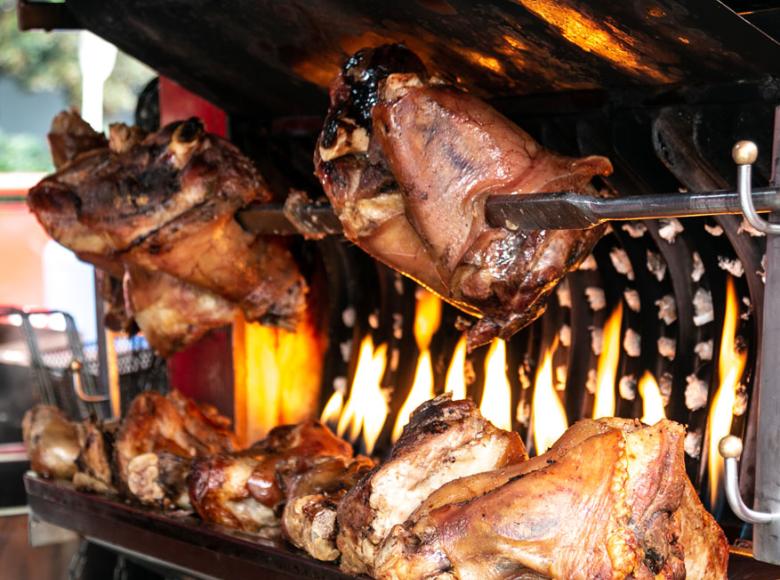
(158, 439)
(95, 459)
(244, 490)
(52, 442)
(164, 204)
(408, 163)
(444, 440)
(312, 498)
(608, 500)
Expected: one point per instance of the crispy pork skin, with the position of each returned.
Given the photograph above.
(606, 501)
(443, 441)
(244, 490)
(52, 442)
(408, 163)
(312, 498)
(165, 204)
(157, 440)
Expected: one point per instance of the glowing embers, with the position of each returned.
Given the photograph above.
(731, 365)
(427, 319)
(365, 412)
(652, 400)
(549, 416)
(496, 405)
(606, 373)
(277, 374)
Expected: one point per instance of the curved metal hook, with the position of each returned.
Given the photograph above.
(730, 448)
(745, 154)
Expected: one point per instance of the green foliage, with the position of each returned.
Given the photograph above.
(47, 61)
(21, 152)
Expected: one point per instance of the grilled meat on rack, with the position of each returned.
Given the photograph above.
(606, 501)
(244, 490)
(312, 499)
(164, 204)
(408, 163)
(443, 441)
(52, 442)
(157, 441)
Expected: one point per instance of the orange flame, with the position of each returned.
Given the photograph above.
(496, 405)
(267, 393)
(731, 365)
(455, 382)
(549, 416)
(652, 401)
(427, 319)
(606, 373)
(366, 409)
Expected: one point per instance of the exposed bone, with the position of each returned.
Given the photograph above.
(669, 228)
(627, 387)
(564, 334)
(667, 347)
(733, 267)
(704, 349)
(715, 230)
(621, 262)
(632, 343)
(656, 265)
(589, 263)
(695, 393)
(692, 444)
(634, 229)
(698, 267)
(667, 309)
(702, 307)
(596, 298)
(632, 299)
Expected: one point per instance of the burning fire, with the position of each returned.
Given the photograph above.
(277, 374)
(731, 365)
(606, 373)
(549, 416)
(455, 382)
(427, 319)
(366, 409)
(496, 405)
(652, 401)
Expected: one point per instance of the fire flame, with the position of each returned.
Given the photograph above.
(427, 319)
(606, 373)
(549, 416)
(652, 401)
(731, 365)
(277, 374)
(496, 405)
(366, 409)
(455, 382)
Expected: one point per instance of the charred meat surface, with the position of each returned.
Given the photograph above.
(312, 499)
(158, 439)
(95, 459)
(164, 204)
(608, 500)
(244, 490)
(52, 442)
(408, 163)
(443, 441)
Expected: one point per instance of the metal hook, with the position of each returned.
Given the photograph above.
(75, 368)
(730, 448)
(745, 154)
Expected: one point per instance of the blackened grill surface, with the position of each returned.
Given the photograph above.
(278, 57)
